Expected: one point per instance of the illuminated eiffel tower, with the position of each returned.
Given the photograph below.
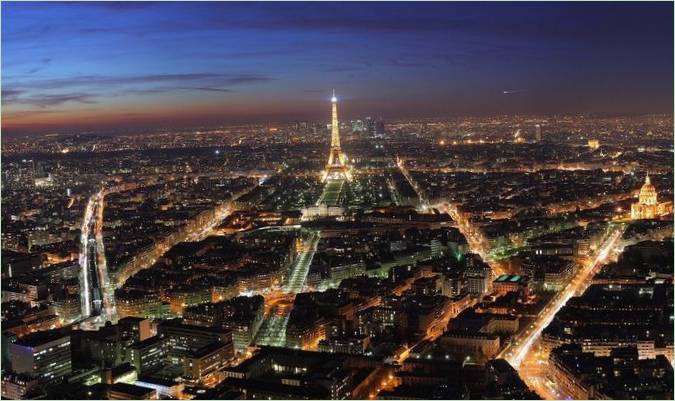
(336, 168)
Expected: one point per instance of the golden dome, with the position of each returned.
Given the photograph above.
(648, 193)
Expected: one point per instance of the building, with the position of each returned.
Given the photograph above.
(302, 333)
(510, 283)
(123, 373)
(242, 315)
(356, 345)
(379, 128)
(501, 325)
(138, 303)
(135, 329)
(428, 285)
(547, 272)
(19, 386)
(149, 354)
(477, 280)
(15, 264)
(183, 339)
(537, 129)
(124, 391)
(29, 290)
(612, 316)
(281, 373)
(44, 355)
(648, 206)
(436, 249)
(68, 308)
(453, 284)
(553, 249)
(477, 345)
(165, 388)
(505, 383)
(620, 375)
(206, 360)
(321, 211)
(103, 347)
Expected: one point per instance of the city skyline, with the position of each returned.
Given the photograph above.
(115, 66)
(366, 201)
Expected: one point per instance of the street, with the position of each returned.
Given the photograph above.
(522, 353)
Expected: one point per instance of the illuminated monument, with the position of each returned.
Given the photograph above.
(648, 206)
(336, 168)
(336, 176)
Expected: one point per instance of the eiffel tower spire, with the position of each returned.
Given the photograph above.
(334, 125)
(336, 168)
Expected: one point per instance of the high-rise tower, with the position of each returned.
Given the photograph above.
(337, 168)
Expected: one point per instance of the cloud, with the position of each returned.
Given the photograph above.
(41, 65)
(342, 68)
(217, 80)
(9, 95)
(152, 91)
(87, 89)
(94, 30)
(121, 6)
(408, 64)
(16, 97)
(29, 113)
(224, 90)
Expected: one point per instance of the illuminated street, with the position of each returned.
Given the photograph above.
(524, 346)
(278, 306)
(98, 302)
(300, 268)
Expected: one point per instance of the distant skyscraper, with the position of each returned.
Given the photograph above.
(301, 126)
(538, 132)
(369, 125)
(379, 128)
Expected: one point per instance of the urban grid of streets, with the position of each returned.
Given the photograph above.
(481, 208)
(98, 287)
(522, 352)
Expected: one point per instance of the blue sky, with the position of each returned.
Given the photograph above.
(69, 66)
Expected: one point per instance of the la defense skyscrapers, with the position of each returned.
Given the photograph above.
(337, 167)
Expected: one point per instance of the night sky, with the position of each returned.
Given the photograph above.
(76, 66)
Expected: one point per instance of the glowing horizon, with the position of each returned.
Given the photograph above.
(72, 66)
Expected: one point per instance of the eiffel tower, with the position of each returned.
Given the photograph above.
(336, 168)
